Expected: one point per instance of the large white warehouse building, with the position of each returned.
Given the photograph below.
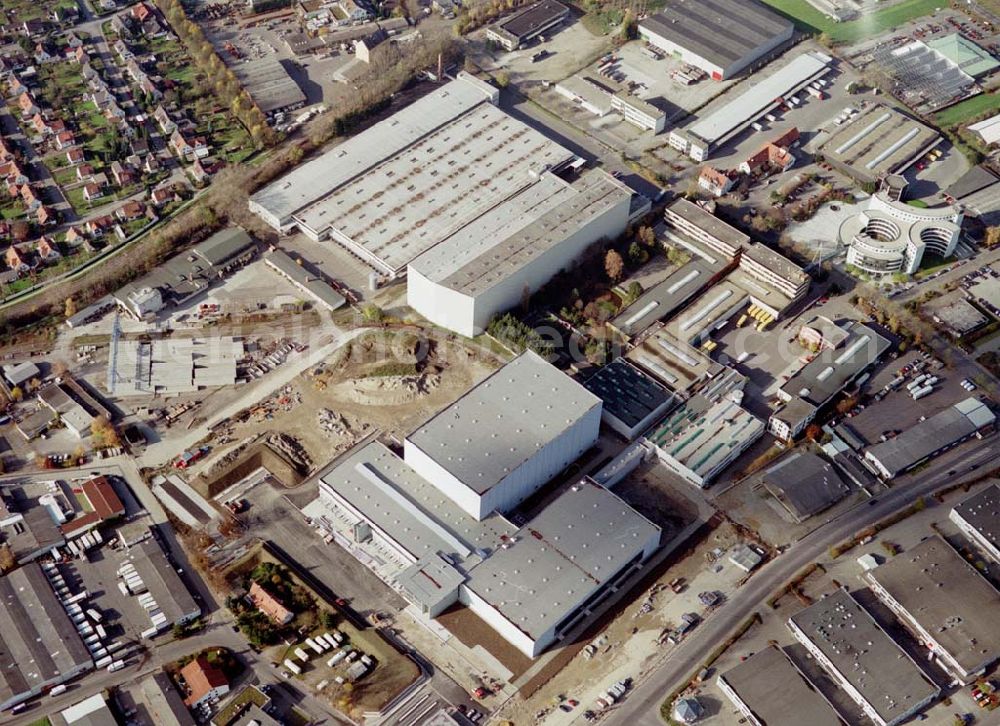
(518, 245)
(503, 439)
(436, 521)
(475, 206)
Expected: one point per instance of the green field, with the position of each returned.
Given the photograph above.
(968, 109)
(810, 19)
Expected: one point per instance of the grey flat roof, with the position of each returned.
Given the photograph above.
(666, 297)
(518, 230)
(583, 536)
(171, 595)
(38, 641)
(316, 179)
(700, 217)
(447, 178)
(530, 19)
(223, 246)
(674, 362)
(805, 484)
(865, 655)
(761, 95)
(974, 180)
(795, 412)
(38, 530)
(577, 543)
(628, 394)
(406, 507)
(958, 314)
(720, 31)
(982, 512)
(777, 693)
(933, 434)
(776, 262)
(268, 84)
(503, 421)
(164, 702)
(877, 141)
(304, 279)
(19, 373)
(827, 374)
(948, 598)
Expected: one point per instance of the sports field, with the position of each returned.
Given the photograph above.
(810, 19)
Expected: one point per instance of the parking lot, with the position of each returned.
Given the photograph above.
(811, 117)
(897, 410)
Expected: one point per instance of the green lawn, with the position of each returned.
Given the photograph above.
(811, 20)
(65, 176)
(968, 109)
(604, 21)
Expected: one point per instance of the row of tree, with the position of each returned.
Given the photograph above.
(223, 82)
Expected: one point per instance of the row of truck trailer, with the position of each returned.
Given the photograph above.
(89, 623)
(342, 652)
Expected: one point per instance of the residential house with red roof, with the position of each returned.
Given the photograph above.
(97, 226)
(270, 605)
(74, 235)
(141, 12)
(121, 175)
(190, 149)
(47, 250)
(16, 260)
(774, 157)
(45, 216)
(29, 196)
(160, 196)
(26, 102)
(64, 140)
(92, 191)
(132, 209)
(205, 681)
(714, 181)
(75, 156)
(39, 124)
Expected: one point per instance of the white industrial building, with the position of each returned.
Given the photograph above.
(762, 97)
(945, 429)
(39, 644)
(945, 603)
(862, 659)
(517, 245)
(704, 436)
(601, 97)
(473, 205)
(438, 516)
(978, 517)
(988, 130)
(721, 37)
(412, 181)
(891, 237)
(506, 437)
(768, 690)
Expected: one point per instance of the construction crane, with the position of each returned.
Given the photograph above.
(116, 332)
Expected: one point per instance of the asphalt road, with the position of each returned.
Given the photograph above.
(642, 706)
